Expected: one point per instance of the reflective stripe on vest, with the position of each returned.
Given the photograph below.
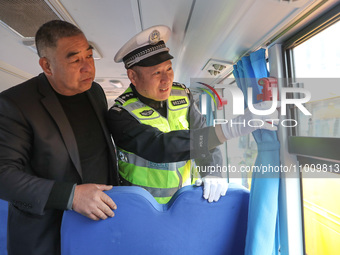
(162, 180)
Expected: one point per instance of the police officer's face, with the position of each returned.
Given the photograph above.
(70, 66)
(153, 82)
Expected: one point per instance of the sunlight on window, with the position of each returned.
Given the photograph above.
(317, 65)
(319, 57)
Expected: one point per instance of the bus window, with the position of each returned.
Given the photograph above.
(317, 64)
(242, 152)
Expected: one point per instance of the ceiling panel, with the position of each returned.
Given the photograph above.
(226, 30)
(202, 30)
(14, 53)
(11, 76)
(210, 22)
(174, 14)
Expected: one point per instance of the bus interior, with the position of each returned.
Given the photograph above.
(300, 42)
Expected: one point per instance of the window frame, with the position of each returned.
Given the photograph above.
(302, 146)
(297, 144)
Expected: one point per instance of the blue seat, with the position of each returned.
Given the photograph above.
(3, 227)
(188, 224)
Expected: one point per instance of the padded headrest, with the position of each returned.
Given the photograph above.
(188, 224)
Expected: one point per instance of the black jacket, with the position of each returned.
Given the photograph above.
(198, 143)
(38, 151)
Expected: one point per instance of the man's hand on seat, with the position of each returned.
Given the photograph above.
(214, 187)
(90, 201)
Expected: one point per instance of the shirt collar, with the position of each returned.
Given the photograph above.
(150, 102)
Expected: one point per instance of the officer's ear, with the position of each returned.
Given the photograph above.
(132, 75)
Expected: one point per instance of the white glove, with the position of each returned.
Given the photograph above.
(214, 187)
(249, 122)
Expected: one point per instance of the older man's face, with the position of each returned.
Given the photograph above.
(70, 67)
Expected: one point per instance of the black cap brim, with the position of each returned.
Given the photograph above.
(154, 59)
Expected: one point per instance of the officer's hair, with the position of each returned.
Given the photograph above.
(48, 34)
(136, 69)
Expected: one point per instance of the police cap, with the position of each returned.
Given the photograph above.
(147, 48)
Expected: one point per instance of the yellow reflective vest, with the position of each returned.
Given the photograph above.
(162, 180)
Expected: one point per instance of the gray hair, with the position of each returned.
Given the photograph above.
(49, 33)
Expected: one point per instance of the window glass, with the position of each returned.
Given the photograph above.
(317, 65)
(242, 153)
(324, 121)
(321, 206)
(319, 57)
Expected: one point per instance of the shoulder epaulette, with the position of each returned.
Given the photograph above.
(124, 97)
(116, 108)
(177, 84)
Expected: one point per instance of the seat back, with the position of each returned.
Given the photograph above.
(3, 227)
(188, 224)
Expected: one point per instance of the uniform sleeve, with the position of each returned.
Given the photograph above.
(146, 141)
(214, 156)
(152, 144)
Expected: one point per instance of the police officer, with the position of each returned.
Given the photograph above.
(159, 129)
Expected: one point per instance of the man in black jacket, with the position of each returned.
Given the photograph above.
(56, 153)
